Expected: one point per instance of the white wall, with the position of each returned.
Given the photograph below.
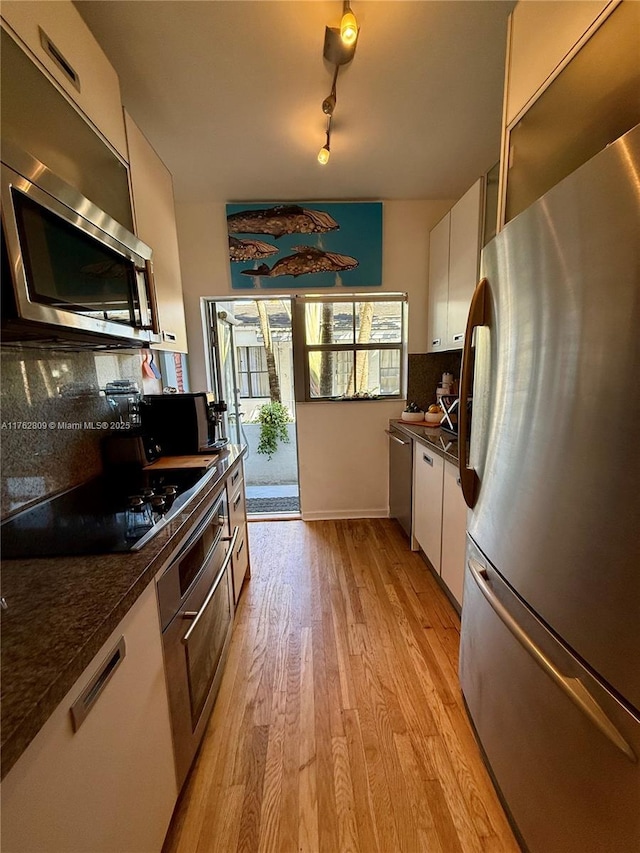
(342, 447)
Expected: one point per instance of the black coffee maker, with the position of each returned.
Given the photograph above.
(183, 424)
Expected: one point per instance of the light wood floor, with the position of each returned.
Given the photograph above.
(339, 726)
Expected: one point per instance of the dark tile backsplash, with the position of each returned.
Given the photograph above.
(51, 406)
(425, 372)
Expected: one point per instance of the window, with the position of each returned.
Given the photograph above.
(349, 347)
(252, 372)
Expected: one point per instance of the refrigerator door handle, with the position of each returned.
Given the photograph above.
(572, 687)
(477, 317)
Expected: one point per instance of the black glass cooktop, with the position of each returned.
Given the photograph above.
(106, 515)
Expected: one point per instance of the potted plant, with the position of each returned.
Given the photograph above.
(273, 418)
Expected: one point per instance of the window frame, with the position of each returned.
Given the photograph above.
(301, 349)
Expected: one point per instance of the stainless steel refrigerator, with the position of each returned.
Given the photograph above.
(550, 649)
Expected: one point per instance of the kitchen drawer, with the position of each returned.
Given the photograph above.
(237, 506)
(562, 748)
(238, 518)
(240, 561)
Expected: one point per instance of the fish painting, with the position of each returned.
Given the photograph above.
(249, 250)
(281, 219)
(306, 260)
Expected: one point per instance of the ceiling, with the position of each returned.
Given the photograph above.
(229, 93)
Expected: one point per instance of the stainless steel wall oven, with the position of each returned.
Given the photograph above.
(195, 597)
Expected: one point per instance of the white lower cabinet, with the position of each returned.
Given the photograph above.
(110, 785)
(238, 518)
(439, 516)
(454, 528)
(428, 470)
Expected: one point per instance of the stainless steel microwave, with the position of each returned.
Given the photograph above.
(74, 271)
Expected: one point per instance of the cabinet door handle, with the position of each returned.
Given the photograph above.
(459, 337)
(169, 336)
(236, 503)
(239, 551)
(89, 696)
(234, 477)
(61, 61)
(436, 343)
(427, 459)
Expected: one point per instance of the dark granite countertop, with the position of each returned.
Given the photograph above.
(61, 610)
(442, 442)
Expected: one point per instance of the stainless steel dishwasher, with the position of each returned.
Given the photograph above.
(400, 477)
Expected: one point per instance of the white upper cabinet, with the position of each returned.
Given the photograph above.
(464, 260)
(454, 257)
(438, 284)
(57, 37)
(154, 212)
(542, 34)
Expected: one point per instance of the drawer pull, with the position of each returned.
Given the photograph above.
(427, 459)
(89, 696)
(436, 342)
(459, 337)
(570, 685)
(169, 336)
(240, 548)
(197, 615)
(236, 503)
(234, 477)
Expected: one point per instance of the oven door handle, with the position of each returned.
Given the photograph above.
(196, 616)
(197, 533)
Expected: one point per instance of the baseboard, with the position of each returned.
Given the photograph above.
(326, 515)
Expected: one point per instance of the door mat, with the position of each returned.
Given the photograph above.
(273, 505)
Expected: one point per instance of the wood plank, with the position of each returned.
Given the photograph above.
(340, 725)
(249, 831)
(345, 800)
(308, 799)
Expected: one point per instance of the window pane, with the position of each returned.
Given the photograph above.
(257, 358)
(260, 384)
(374, 379)
(389, 371)
(378, 321)
(244, 384)
(330, 373)
(329, 322)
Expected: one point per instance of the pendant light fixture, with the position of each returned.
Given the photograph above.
(339, 49)
(348, 26)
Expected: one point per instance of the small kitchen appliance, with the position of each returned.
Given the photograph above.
(70, 271)
(183, 424)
